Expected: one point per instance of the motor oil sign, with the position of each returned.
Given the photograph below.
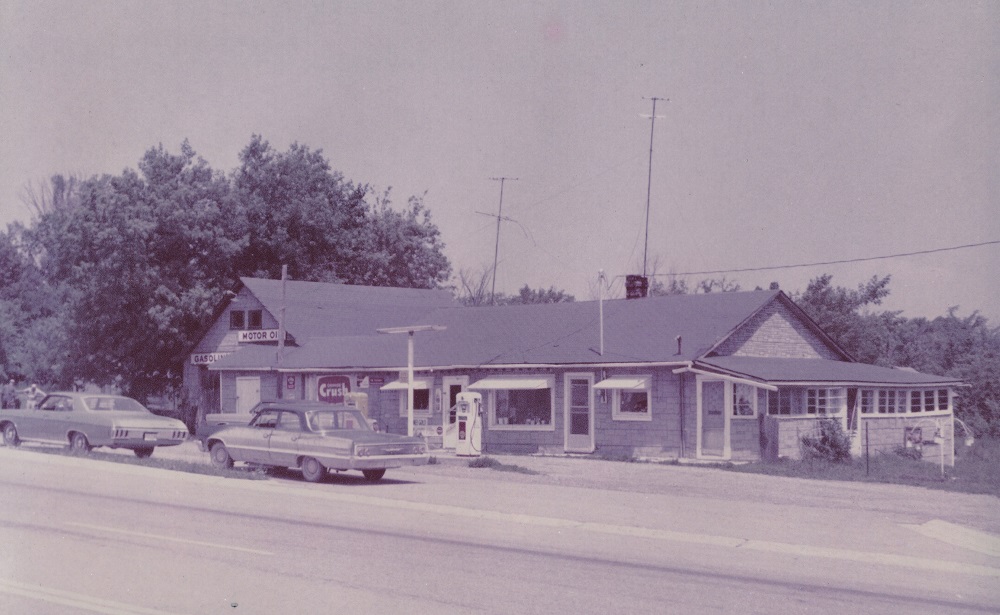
(333, 389)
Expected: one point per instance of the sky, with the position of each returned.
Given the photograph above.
(788, 133)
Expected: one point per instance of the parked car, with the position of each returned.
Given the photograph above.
(87, 420)
(315, 437)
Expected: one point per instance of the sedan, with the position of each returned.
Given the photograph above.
(315, 437)
(86, 420)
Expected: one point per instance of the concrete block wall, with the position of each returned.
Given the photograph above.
(884, 433)
(744, 439)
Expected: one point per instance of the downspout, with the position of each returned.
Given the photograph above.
(681, 398)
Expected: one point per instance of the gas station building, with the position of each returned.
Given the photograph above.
(718, 376)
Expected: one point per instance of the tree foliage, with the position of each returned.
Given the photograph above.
(117, 275)
(475, 289)
(961, 347)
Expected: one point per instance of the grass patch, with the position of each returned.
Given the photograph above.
(489, 462)
(975, 470)
(174, 465)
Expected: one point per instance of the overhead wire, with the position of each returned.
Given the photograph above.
(835, 262)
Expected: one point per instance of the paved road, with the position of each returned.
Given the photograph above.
(86, 536)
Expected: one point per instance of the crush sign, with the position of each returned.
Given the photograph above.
(333, 389)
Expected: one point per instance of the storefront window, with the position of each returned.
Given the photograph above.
(523, 407)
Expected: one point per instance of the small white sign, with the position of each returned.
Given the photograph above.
(260, 335)
(207, 358)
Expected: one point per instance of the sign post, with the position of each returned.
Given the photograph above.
(409, 364)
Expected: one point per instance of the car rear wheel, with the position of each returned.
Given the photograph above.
(373, 475)
(10, 437)
(78, 443)
(312, 470)
(142, 453)
(220, 456)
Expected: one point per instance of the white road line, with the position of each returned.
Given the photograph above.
(170, 538)
(72, 599)
(959, 536)
(801, 550)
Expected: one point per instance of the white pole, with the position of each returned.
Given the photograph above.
(409, 384)
(941, 446)
(600, 295)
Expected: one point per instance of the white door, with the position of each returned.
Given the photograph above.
(713, 418)
(452, 385)
(247, 393)
(578, 412)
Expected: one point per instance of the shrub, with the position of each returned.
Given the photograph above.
(908, 453)
(830, 444)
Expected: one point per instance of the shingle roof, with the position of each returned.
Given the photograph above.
(316, 308)
(556, 333)
(792, 371)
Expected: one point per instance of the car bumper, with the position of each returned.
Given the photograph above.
(377, 462)
(143, 442)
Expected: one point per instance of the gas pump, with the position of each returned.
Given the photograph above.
(469, 420)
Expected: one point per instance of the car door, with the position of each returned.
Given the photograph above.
(50, 420)
(255, 440)
(284, 445)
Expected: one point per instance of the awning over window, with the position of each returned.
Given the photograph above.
(638, 383)
(399, 385)
(511, 382)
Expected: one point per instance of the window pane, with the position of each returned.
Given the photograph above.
(236, 319)
(928, 401)
(517, 407)
(942, 399)
(743, 400)
(255, 319)
(785, 402)
(421, 399)
(867, 402)
(915, 398)
(579, 393)
(635, 402)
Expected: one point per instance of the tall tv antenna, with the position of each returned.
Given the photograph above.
(649, 180)
(496, 250)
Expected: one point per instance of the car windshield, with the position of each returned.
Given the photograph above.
(337, 420)
(111, 403)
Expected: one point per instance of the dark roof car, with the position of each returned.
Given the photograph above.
(85, 420)
(315, 437)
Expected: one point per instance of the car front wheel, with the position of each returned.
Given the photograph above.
(143, 452)
(312, 470)
(220, 456)
(10, 437)
(78, 443)
(373, 475)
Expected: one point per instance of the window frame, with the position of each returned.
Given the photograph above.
(237, 320)
(616, 400)
(426, 385)
(491, 401)
(834, 401)
(753, 400)
(252, 316)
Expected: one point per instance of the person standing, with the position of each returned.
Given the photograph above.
(34, 395)
(8, 395)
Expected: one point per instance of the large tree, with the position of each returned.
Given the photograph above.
(132, 265)
(146, 257)
(298, 213)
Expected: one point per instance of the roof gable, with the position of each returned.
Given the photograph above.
(317, 308)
